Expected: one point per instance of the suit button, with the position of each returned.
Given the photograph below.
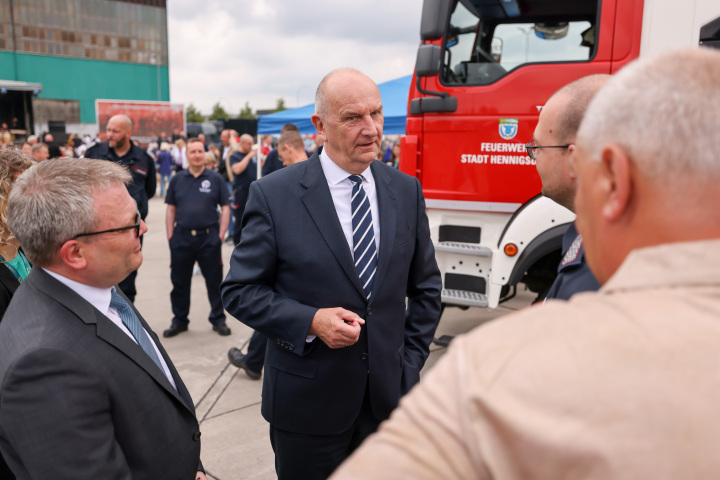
(196, 437)
(370, 311)
(364, 356)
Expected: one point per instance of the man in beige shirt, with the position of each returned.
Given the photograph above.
(622, 383)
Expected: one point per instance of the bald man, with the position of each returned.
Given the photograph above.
(331, 248)
(552, 146)
(619, 383)
(120, 149)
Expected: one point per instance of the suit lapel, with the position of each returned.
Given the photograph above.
(387, 205)
(106, 330)
(319, 203)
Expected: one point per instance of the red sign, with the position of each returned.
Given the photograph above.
(149, 119)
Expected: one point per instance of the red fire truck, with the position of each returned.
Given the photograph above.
(483, 71)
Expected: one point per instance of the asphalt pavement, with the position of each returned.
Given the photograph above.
(235, 441)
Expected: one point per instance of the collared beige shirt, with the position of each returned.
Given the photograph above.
(623, 383)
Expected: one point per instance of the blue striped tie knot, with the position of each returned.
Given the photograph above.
(364, 250)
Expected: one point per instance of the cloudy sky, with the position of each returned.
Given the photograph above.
(256, 51)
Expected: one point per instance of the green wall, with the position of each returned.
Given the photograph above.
(64, 78)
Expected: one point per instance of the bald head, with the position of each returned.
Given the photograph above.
(339, 79)
(574, 99)
(246, 143)
(349, 118)
(119, 130)
(555, 136)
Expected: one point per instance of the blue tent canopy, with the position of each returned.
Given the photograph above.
(394, 96)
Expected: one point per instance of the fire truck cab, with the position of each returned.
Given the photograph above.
(484, 69)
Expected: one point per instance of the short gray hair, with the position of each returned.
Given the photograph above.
(53, 201)
(663, 112)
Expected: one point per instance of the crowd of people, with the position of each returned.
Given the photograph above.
(614, 376)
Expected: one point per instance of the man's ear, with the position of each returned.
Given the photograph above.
(319, 125)
(616, 169)
(571, 154)
(72, 255)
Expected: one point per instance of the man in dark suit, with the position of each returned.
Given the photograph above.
(331, 249)
(87, 390)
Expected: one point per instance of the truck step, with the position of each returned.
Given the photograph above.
(462, 297)
(463, 249)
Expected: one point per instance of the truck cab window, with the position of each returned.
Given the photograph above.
(485, 41)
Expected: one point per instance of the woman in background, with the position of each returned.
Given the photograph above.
(14, 267)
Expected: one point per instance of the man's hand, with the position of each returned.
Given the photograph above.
(200, 476)
(336, 327)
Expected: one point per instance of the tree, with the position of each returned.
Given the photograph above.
(280, 105)
(218, 113)
(246, 112)
(193, 115)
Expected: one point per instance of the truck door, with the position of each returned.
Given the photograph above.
(502, 59)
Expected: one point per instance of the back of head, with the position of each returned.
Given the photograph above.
(289, 127)
(53, 201)
(293, 139)
(663, 112)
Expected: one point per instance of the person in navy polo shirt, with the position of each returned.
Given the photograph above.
(119, 148)
(194, 234)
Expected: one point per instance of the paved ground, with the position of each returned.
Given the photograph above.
(234, 435)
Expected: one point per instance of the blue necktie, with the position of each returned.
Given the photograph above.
(136, 329)
(364, 250)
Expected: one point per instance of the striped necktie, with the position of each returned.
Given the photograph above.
(133, 324)
(364, 250)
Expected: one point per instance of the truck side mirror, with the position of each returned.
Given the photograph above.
(710, 34)
(427, 63)
(433, 20)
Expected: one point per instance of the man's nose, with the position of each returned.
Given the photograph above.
(369, 127)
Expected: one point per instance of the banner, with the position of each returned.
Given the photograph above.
(150, 119)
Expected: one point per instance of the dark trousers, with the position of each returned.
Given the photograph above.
(238, 208)
(185, 250)
(128, 284)
(315, 457)
(255, 358)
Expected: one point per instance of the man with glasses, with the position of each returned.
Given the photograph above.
(553, 144)
(195, 235)
(87, 389)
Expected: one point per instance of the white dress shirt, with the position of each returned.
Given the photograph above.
(341, 190)
(100, 299)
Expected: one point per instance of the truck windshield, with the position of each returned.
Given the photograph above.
(487, 39)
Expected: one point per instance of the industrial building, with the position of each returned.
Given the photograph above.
(57, 57)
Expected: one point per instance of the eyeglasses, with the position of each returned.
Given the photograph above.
(136, 227)
(532, 147)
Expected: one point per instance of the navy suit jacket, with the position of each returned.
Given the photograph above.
(80, 399)
(293, 259)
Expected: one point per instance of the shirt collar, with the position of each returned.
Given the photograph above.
(334, 174)
(95, 296)
(669, 264)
